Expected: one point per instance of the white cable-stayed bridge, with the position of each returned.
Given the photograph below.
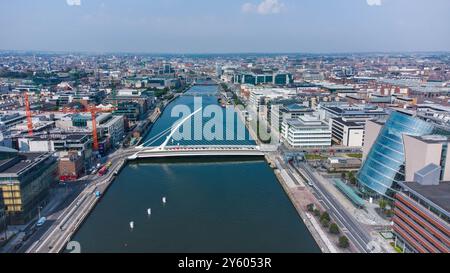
(232, 148)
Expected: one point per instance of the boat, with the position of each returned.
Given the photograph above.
(131, 224)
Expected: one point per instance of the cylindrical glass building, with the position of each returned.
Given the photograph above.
(385, 163)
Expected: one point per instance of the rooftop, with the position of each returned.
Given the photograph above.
(432, 138)
(14, 166)
(438, 194)
(307, 121)
(348, 123)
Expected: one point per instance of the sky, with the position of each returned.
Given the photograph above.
(225, 26)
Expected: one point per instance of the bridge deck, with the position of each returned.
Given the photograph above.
(186, 151)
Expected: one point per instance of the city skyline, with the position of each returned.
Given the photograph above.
(238, 26)
(235, 128)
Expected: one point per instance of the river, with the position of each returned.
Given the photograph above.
(212, 204)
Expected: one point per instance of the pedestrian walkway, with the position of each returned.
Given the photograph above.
(322, 234)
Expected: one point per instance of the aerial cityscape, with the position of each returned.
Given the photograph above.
(224, 127)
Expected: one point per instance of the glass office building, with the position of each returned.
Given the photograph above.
(385, 163)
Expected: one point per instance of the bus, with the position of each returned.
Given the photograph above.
(104, 169)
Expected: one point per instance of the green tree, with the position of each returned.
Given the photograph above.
(325, 223)
(316, 212)
(343, 242)
(352, 178)
(382, 203)
(334, 229)
(325, 216)
(310, 207)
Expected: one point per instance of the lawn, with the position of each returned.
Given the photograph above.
(355, 155)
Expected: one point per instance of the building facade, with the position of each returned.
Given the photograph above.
(70, 166)
(421, 218)
(384, 165)
(290, 111)
(306, 132)
(2, 213)
(346, 132)
(343, 110)
(25, 179)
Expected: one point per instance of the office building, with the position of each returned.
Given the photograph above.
(347, 132)
(306, 132)
(113, 127)
(108, 125)
(289, 111)
(145, 99)
(258, 77)
(421, 216)
(343, 110)
(70, 166)
(2, 213)
(25, 179)
(60, 143)
(262, 96)
(130, 110)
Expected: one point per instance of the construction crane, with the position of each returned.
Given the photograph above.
(93, 110)
(90, 109)
(28, 112)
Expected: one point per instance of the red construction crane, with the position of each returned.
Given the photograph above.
(93, 110)
(90, 109)
(28, 111)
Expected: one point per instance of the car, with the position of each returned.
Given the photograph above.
(18, 246)
(41, 221)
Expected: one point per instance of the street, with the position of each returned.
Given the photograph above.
(354, 231)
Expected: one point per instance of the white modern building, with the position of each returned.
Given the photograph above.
(107, 124)
(306, 132)
(347, 132)
(114, 127)
(259, 96)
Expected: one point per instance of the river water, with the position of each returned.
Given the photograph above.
(212, 204)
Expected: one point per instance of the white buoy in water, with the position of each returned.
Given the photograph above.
(164, 200)
(149, 211)
(131, 224)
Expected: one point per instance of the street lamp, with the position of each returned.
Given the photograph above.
(39, 212)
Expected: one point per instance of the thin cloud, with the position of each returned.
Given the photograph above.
(374, 2)
(264, 8)
(73, 2)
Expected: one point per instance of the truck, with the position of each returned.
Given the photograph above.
(104, 169)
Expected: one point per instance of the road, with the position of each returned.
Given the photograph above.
(33, 233)
(356, 233)
(64, 223)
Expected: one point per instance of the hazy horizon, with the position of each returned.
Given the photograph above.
(225, 27)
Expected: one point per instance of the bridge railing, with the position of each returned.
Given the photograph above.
(202, 148)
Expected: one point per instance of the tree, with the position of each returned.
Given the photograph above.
(343, 242)
(316, 212)
(325, 216)
(352, 178)
(382, 203)
(325, 223)
(334, 229)
(311, 207)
